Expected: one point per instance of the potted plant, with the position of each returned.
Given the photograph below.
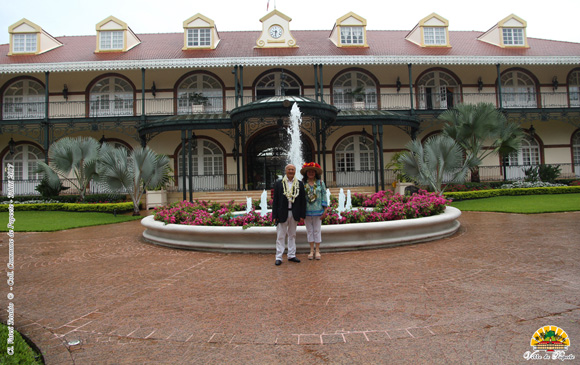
(401, 180)
(157, 196)
(198, 102)
(358, 97)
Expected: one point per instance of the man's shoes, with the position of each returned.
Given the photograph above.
(294, 259)
(278, 262)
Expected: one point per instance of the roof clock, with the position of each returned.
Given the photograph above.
(275, 31)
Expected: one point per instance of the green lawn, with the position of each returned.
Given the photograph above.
(548, 203)
(39, 221)
(23, 354)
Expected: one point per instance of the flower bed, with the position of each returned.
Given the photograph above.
(387, 207)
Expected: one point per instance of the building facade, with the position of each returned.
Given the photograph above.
(217, 102)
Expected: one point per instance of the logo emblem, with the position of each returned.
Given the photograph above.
(550, 338)
(549, 343)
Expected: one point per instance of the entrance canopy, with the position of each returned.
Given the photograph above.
(279, 106)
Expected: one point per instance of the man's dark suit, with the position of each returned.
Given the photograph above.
(280, 204)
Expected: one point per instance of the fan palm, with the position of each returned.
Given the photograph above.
(470, 125)
(73, 159)
(131, 172)
(439, 159)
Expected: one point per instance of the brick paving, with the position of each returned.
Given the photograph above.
(475, 297)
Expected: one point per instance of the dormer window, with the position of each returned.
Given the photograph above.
(200, 33)
(111, 39)
(199, 37)
(434, 36)
(114, 35)
(509, 32)
(352, 35)
(349, 31)
(432, 31)
(513, 36)
(24, 43)
(27, 38)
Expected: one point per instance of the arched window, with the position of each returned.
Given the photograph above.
(207, 166)
(574, 88)
(528, 155)
(277, 83)
(25, 161)
(576, 152)
(438, 90)
(199, 93)
(24, 99)
(354, 90)
(354, 161)
(111, 96)
(518, 90)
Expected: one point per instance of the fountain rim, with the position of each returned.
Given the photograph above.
(336, 237)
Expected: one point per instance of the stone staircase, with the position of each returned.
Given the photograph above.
(240, 196)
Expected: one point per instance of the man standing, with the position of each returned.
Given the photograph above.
(288, 208)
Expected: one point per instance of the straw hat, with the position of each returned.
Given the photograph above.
(311, 166)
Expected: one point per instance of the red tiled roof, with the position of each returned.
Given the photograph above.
(310, 43)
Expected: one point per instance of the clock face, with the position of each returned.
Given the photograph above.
(276, 31)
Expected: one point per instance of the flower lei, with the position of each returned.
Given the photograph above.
(311, 192)
(291, 192)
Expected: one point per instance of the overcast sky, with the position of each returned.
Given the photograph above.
(554, 19)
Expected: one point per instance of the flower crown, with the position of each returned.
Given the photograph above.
(311, 164)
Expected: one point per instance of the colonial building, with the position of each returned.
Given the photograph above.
(217, 103)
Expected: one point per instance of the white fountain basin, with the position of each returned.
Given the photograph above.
(343, 237)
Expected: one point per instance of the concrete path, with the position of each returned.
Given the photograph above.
(476, 297)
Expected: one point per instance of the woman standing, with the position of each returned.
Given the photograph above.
(316, 206)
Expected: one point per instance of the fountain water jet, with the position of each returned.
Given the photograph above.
(295, 147)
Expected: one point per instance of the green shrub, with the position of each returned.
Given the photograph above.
(549, 173)
(532, 174)
(95, 198)
(463, 195)
(73, 207)
(47, 191)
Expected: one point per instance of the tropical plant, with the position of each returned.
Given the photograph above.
(471, 125)
(46, 190)
(131, 172)
(74, 159)
(440, 158)
(397, 166)
(198, 99)
(357, 94)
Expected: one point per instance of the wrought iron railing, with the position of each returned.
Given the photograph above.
(332, 179)
(395, 101)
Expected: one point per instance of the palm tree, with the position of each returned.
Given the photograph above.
(470, 125)
(438, 159)
(73, 159)
(131, 172)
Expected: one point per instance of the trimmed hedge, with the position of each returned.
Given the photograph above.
(464, 195)
(93, 198)
(73, 207)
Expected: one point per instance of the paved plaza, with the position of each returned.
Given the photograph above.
(475, 297)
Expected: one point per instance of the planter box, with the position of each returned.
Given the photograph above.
(156, 198)
(198, 108)
(401, 186)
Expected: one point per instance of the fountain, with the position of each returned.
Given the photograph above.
(295, 146)
(341, 237)
(340, 208)
(248, 204)
(348, 205)
(263, 203)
